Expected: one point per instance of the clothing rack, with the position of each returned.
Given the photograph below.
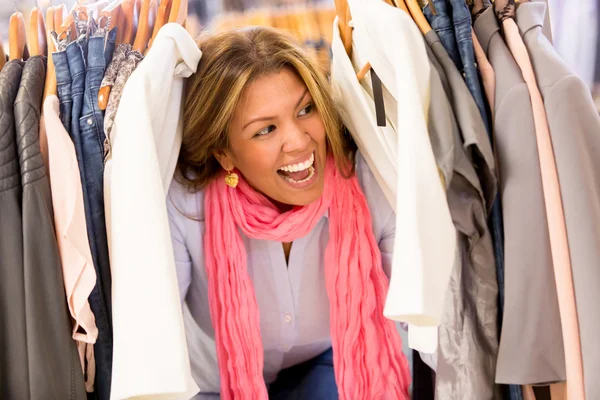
(477, 133)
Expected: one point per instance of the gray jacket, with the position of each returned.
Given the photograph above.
(14, 371)
(55, 371)
(531, 341)
(575, 130)
(468, 334)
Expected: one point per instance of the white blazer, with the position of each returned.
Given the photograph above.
(150, 359)
(401, 158)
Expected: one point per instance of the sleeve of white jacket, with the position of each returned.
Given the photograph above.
(150, 359)
(425, 235)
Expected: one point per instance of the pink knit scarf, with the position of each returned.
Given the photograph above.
(367, 350)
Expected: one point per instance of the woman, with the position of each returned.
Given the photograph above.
(280, 232)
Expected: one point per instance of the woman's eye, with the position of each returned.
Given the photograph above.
(306, 110)
(265, 131)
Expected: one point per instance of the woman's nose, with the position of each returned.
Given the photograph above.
(296, 138)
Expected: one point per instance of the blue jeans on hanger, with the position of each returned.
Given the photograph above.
(63, 87)
(461, 17)
(77, 53)
(441, 22)
(109, 47)
(313, 379)
(91, 129)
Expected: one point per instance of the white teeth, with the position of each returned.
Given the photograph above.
(300, 166)
(311, 173)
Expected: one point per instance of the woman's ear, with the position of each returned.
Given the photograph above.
(224, 158)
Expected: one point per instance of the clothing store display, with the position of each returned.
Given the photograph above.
(45, 303)
(573, 122)
(420, 276)
(14, 367)
(459, 261)
(69, 219)
(531, 341)
(469, 335)
(143, 149)
(294, 318)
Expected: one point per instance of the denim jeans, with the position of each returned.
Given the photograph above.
(87, 63)
(63, 87)
(461, 16)
(313, 379)
(91, 124)
(441, 22)
(109, 48)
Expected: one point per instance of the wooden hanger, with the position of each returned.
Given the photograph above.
(68, 25)
(344, 18)
(418, 16)
(17, 40)
(162, 17)
(127, 25)
(50, 85)
(401, 4)
(110, 14)
(179, 10)
(36, 33)
(60, 13)
(130, 8)
(145, 25)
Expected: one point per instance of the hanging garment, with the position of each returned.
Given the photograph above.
(488, 75)
(48, 322)
(461, 17)
(71, 234)
(86, 61)
(574, 127)
(474, 137)
(291, 296)
(126, 62)
(144, 146)
(352, 100)
(63, 87)
(555, 216)
(559, 245)
(14, 370)
(468, 340)
(531, 350)
(425, 236)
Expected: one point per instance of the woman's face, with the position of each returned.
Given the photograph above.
(277, 140)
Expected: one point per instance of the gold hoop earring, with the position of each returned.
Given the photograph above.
(232, 179)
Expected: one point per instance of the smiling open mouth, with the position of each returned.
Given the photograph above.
(298, 173)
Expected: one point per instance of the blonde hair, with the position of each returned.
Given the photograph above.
(230, 61)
